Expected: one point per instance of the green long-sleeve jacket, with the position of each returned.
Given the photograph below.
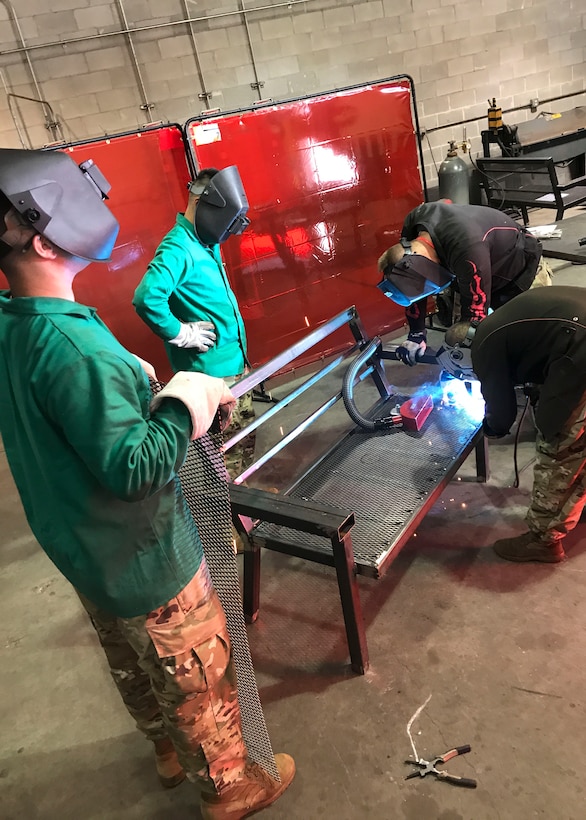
(96, 473)
(186, 282)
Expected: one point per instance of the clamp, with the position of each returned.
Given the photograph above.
(429, 767)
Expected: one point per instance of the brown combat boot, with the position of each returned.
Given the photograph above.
(253, 792)
(529, 547)
(169, 769)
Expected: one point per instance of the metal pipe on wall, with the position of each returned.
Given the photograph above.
(505, 111)
(145, 105)
(136, 29)
(51, 123)
(204, 94)
(258, 83)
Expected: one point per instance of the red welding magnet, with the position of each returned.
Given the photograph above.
(414, 412)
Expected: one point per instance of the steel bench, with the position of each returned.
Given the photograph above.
(360, 501)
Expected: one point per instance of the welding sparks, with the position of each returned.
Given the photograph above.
(454, 394)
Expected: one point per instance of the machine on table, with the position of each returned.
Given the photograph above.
(358, 502)
(563, 138)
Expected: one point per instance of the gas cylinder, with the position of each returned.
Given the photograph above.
(454, 178)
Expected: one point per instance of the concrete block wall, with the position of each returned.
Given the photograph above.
(116, 65)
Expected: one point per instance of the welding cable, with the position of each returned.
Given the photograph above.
(348, 389)
(516, 481)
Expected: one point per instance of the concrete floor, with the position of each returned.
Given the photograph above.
(499, 648)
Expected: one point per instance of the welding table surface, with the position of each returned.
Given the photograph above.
(389, 479)
(566, 247)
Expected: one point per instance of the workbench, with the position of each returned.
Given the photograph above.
(359, 501)
(573, 229)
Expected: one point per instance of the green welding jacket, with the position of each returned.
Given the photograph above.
(186, 282)
(97, 474)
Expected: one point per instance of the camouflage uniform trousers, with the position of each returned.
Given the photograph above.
(241, 455)
(559, 479)
(174, 671)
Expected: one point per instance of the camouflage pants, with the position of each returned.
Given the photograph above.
(559, 479)
(542, 275)
(174, 671)
(241, 455)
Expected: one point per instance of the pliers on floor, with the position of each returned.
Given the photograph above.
(430, 767)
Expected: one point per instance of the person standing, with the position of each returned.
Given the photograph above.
(185, 297)
(95, 462)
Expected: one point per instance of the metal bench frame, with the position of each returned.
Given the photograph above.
(251, 506)
(523, 182)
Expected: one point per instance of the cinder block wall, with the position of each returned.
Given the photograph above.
(104, 67)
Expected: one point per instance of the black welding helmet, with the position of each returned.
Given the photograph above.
(413, 277)
(221, 208)
(61, 200)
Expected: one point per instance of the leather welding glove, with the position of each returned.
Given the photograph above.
(203, 396)
(147, 367)
(412, 348)
(198, 335)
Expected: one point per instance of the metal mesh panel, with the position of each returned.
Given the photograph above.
(385, 478)
(205, 485)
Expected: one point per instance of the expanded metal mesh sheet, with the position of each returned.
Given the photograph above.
(205, 486)
(385, 478)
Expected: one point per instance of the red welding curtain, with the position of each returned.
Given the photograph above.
(329, 179)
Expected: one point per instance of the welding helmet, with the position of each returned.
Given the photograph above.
(221, 208)
(413, 277)
(455, 355)
(60, 200)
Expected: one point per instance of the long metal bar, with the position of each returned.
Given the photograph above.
(205, 94)
(286, 400)
(258, 83)
(288, 438)
(146, 105)
(292, 435)
(262, 373)
(135, 29)
(52, 125)
(14, 118)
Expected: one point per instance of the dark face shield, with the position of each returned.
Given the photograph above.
(222, 208)
(60, 200)
(412, 278)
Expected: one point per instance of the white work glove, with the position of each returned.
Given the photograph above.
(197, 335)
(412, 348)
(203, 396)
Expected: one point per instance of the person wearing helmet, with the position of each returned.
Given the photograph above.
(538, 339)
(476, 255)
(186, 299)
(95, 462)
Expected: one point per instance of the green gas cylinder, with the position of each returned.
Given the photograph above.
(454, 177)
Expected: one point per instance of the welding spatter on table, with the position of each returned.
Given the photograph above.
(430, 767)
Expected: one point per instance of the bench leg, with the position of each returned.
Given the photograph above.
(251, 571)
(251, 583)
(350, 598)
(481, 451)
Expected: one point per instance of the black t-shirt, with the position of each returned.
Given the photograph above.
(539, 337)
(491, 256)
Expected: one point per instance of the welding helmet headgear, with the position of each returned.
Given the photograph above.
(221, 208)
(455, 355)
(60, 200)
(413, 277)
